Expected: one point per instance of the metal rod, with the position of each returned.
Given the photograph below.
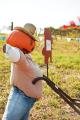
(47, 69)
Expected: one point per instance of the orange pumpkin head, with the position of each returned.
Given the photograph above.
(21, 40)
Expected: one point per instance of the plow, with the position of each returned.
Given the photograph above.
(74, 103)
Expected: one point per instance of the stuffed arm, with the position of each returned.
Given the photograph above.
(11, 53)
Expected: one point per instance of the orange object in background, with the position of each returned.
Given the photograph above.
(21, 40)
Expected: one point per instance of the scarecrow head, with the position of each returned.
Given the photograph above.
(23, 37)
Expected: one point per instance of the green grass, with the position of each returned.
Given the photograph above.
(64, 71)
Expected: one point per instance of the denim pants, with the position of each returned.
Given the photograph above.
(18, 105)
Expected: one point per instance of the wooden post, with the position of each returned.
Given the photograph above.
(47, 50)
(11, 26)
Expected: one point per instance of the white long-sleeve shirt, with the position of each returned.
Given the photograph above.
(12, 53)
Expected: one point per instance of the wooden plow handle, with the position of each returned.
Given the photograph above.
(74, 103)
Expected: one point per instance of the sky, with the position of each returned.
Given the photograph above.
(42, 13)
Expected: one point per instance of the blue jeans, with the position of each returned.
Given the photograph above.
(18, 105)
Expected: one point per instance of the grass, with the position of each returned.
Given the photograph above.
(64, 71)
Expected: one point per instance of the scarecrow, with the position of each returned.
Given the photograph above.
(23, 94)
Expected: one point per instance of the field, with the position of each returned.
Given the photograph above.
(64, 71)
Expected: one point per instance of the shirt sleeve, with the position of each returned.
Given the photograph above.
(12, 53)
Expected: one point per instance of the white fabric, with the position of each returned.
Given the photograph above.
(12, 53)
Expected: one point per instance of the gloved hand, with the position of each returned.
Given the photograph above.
(4, 48)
